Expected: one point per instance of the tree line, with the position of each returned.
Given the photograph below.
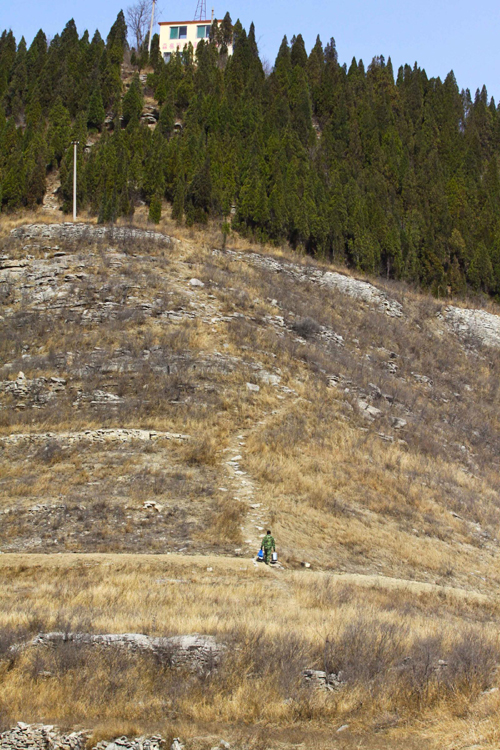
(392, 173)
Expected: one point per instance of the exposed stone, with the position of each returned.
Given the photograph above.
(479, 324)
(193, 651)
(151, 505)
(196, 282)
(318, 678)
(364, 291)
(253, 387)
(422, 379)
(268, 378)
(70, 230)
(93, 436)
(42, 737)
(369, 411)
(48, 737)
(223, 745)
(361, 290)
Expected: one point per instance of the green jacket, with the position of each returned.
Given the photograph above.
(268, 543)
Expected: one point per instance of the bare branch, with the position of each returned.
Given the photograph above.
(138, 18)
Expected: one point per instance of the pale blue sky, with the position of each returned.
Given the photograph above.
(439, 34)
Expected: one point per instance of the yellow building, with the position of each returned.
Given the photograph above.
(175, 35)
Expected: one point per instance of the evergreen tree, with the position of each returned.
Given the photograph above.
(58, 133)
(178, 205)
(155, 209)
(35, 171)
(398, 177)
(96, 112)
(298, 54)
(133, 102)
(166, 120)
(117, 37)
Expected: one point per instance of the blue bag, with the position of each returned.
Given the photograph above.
(260, 555)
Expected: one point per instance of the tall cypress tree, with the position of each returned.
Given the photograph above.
(96, 112)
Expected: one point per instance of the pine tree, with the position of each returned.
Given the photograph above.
(315, 64)
(96, 112)
(166, 120)
(298, 54)
(226, 34)
(395, 177)
(58, 133)
(35, 171)
(178, 205)
(199, 196)
(155, 209)
(153, 175)
(117, 37)
(18, 87)
(133, 102)
(13, 184)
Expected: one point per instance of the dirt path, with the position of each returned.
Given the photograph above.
(245, 490)
(231, 566)
(418, 587)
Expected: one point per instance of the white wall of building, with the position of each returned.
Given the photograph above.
(176, 35)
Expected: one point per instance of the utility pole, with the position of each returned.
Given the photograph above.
(75, 144)
(151, 27)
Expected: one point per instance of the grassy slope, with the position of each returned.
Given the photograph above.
(277, 623)
(337, 494)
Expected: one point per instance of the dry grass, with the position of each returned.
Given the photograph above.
(385, 638)
(345, 493)
(367, 504)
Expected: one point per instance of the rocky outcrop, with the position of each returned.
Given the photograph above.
(155, 742)
(48, 737)
(477, 324)
(191, 651)
(318, 679)
(103, 435)
(42, 737)
(90, 232)
(362, 290)
(37, 391)
(150, 114)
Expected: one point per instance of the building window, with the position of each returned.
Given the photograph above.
(202, 32)
(174, 32)
(183, 32)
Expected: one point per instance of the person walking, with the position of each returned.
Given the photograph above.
(268, 546)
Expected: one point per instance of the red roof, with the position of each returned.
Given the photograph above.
(183, 23)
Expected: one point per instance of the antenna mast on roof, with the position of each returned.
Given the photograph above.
(201, 11)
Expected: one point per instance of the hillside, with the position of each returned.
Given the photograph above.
(354, 415)
(161, 393)
(391, 173)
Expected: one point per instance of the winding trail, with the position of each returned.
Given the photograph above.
(245, 490)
